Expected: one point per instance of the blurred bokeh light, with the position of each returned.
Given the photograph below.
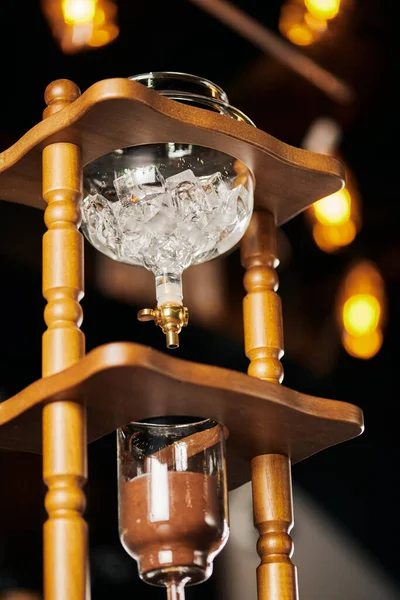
(362, 310)
(304, 22)
(78, 12)
(334, 209)
(80, 25)
(323, 9)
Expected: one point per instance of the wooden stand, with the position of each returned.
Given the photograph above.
(271, 477)
(122, 382)
(64, 422)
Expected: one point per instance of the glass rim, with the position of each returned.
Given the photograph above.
(216, 90)
(190, 423)
(150, 145)
(213, 96)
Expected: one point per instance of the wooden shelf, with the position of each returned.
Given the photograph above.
(124, 382)
(115, 113)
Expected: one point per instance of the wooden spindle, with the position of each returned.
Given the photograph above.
(273, 517)
(262, 310)
(64, 422)
(271, 476)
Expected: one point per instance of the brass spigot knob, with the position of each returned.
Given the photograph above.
(170, 317)
(146, 314)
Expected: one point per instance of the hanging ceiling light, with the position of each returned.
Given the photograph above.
(323, 9)
(299, 26)
(305, 22)
(78, 12)
(81, 24)
(361, 310)
(336, 219)
(334, 209)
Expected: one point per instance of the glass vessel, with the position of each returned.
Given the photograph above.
(173, 511)
(168, 206)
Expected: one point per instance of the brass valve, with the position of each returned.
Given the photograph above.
(170, 317)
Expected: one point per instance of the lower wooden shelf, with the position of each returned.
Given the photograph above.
(125, 382)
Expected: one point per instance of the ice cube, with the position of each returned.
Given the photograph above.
(183, 198)
(124, 188)
(242, 204)
(242, 210)
(163, 222)
(190, 203)
(149, 207)
(188, 232)
(216, 195)
(211, 183)
(136, 184)
(102, 224)
(223, 190)
(132, 216)
(206, 242)
(210, 186)
(148, 175)
(183, 176)
(147, 180)
(129, 224)
(230, 203)
(166, 251)
(90, 214)
(165, 201)
(99, 216)
(133, 249)
(199, 217)
(219, 220)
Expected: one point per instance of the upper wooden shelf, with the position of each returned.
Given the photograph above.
(116, 113)
(124, 382)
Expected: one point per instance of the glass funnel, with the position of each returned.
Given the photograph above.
(168, 206)
(173, 515)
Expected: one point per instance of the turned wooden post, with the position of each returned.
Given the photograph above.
(64, 421)
(271, 476)
(273, 517)
(262, 310)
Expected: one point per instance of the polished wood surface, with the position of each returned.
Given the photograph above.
(64, 421)
(115, 113)
(262, 310)
(124, 382)
(273, 517)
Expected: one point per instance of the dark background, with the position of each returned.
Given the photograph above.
(356, 481)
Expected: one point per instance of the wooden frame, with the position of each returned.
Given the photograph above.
(269, 426)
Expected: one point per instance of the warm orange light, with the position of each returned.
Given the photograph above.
(101, 37)
(323, 9)
(361, 314)
(314, 24)
(82, 24)
(336, 219)
(334, 209)
(300, 34)
(361, 308)
(78, 12)
(332, 238)
(365, 346)
(293, 26)
(99, 17)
